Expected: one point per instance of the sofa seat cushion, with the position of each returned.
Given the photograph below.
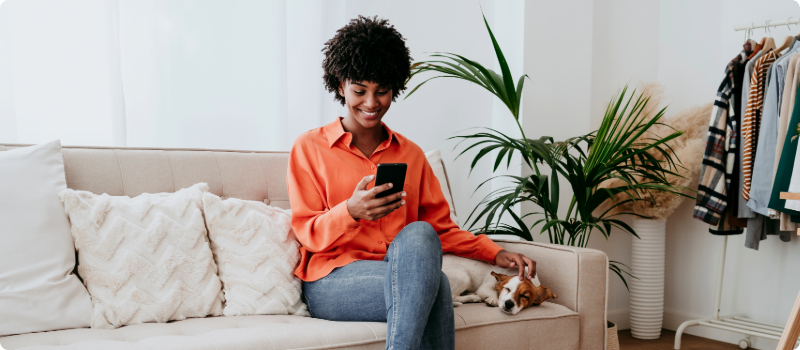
(550, 326)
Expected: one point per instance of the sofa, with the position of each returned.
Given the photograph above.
(576, 320)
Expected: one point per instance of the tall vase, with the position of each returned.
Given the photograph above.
(647, 292)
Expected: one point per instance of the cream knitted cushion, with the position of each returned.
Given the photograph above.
(256, 253)
(144, 259)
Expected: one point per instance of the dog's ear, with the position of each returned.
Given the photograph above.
(499, 276)
(544, 294)
(498, 286)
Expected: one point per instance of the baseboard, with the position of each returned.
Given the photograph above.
(621, 318)
(673, 320)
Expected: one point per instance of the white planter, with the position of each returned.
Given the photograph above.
(647, 292)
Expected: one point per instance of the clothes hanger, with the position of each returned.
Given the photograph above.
(749, 40)
(747, 34)
(760, 45)
(789, 41)
(769, 43)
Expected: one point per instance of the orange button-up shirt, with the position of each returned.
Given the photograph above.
(324, 168)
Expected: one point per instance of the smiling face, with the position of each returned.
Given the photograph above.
(366, 102)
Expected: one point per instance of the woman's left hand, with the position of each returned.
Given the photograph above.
(510, 259)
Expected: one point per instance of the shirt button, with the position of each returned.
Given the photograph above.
(380, 242)
(372, 167)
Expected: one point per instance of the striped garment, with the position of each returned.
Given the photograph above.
(752, 117)
(719, 157)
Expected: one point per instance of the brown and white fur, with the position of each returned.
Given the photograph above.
(473, 281)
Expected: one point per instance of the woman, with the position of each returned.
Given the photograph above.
(366, 258)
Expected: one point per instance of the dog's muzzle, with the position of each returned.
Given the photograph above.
(508, 305)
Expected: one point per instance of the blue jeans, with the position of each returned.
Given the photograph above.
(407, 290)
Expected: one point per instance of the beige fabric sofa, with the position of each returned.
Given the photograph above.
(576, 320)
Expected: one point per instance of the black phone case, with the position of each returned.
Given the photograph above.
(391, 172)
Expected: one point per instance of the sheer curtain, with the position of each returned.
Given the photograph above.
(156, 73)
(57, 75)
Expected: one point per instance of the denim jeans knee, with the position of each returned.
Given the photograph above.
(420, 234)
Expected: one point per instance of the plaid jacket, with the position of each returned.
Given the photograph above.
(720, 156)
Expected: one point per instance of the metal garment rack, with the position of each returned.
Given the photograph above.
(738, 323)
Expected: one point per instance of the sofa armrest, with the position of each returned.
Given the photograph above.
(579, 276)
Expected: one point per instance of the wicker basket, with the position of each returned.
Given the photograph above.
(612, 339)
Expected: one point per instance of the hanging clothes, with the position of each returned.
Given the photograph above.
(735, 192)
(761, 181)
(751, 122)
(744, 210)
(756, 223)
(719, 157)
(794, 183)
(760, 225)
(787, 106)
(785, 165)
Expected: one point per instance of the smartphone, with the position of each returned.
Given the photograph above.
(391, 172)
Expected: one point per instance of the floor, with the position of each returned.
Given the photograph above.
(667, 342)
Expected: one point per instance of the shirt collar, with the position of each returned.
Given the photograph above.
(334, 131)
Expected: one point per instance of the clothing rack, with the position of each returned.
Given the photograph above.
(769, 23)
(740, 323)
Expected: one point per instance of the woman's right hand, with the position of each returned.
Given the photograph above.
(363, 204)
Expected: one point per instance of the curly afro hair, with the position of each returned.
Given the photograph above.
(366, 49)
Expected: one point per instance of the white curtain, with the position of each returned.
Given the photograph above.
(156, 73)
(57, 75)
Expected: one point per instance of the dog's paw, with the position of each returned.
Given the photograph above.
(491, 301)
(455, 303)
(469, 298)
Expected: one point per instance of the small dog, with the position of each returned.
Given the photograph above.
(473, 281)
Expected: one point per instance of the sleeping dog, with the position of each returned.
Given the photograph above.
(496, 286)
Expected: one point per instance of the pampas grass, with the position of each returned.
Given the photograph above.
(687, 148)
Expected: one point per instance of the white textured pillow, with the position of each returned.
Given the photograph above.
(144, 259)
(436, 162)
(256, 253)
(38, 291)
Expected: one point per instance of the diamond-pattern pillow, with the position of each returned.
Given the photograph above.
(144, 259)
(256, 253)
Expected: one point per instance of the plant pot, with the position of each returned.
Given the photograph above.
(647, 290)
(612, 340)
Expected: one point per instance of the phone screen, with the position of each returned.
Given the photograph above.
(394, 173)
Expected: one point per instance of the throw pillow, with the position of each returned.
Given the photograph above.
(256, 253)
(437, 164)
(144, 259)
(38, 291)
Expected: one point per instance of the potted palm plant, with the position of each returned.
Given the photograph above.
(622, 152)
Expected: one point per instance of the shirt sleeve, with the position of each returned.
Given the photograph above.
(318, 226)
(711, 199)
(434, 210)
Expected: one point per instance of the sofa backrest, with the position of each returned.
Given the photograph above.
(248, 175)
